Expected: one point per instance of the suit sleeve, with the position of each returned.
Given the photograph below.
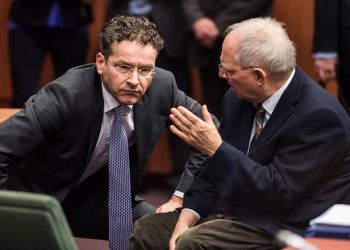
(237, 11)
(230, 12)
(279, 183)
(326, 31)
(193, 11)
(44, 115)
(196, 159)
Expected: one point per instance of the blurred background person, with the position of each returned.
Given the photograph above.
(207, 20)
(38, 27)
(331, 45)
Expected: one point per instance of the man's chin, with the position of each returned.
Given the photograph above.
(128, 100)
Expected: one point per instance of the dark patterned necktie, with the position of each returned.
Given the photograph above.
(119, 195)
(259, 120)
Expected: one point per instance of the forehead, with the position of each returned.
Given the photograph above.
(229, 46)
(133, 52)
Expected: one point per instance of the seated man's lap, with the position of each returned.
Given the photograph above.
(225, 234)
(154, 232)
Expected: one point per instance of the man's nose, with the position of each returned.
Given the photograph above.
(134, 77)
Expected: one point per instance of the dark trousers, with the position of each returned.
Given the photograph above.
(86, 207)
(154, 232)
(27, 50)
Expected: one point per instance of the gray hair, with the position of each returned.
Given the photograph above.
(263, 42)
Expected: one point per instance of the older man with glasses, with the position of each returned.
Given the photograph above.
(280, 158)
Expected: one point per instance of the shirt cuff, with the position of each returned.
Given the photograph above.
(188, 209)
(325, 55)
(179, 194)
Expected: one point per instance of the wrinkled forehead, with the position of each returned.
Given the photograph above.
(229, 47)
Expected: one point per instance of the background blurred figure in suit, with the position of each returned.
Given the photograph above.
(169, 17)
(40, 26)
(207, 20)
(331, 45)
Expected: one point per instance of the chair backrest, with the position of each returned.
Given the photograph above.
(33, 221)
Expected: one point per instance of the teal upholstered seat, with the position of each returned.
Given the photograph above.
(33, 221)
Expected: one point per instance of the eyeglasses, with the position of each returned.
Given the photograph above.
(128, 70)
(230, 72)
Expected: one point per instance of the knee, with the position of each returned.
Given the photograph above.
(185, 241)
(139, 236)
(148, 233)
(143, 226)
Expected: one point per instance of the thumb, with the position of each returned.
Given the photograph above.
(206, 115)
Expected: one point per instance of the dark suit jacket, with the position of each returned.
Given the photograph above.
(46, 147)
(223, 13)
(299, 168)
(35, 12)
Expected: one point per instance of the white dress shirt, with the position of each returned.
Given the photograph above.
(100, 155)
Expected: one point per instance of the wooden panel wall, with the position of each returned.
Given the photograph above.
(5, 80)
(298, 15)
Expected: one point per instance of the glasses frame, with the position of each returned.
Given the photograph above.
(125, 69)
(230, 72)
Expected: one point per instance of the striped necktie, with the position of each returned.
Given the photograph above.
(259, 119)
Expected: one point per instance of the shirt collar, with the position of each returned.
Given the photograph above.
(270, 103)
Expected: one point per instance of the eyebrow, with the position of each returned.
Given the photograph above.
(132, 65)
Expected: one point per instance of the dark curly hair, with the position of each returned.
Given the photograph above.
(129, 28)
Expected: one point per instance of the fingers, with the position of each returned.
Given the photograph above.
(188, 116)
(183, 119)
(179, 125)
(179, 133)
(326, 68)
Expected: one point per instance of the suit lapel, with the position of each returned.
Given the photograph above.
(236, 125)
(284, 109)
(241, 141)
(96, 118)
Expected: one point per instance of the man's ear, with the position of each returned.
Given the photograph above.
(261, 76)
(100, 61)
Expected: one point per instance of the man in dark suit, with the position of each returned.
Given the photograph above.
(58, 144)
(331, 45)
(39, 27)
(169, 17)
(206, 23)
(275, 171)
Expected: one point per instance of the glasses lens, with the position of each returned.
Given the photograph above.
(145, 72)
(124, 69)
